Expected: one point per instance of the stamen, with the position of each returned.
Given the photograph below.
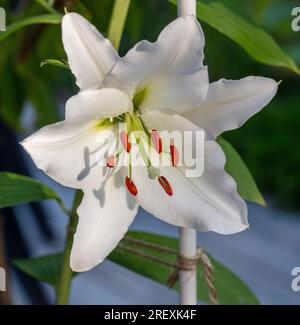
(131, 186)
(165, 185)
(174, 155)
(156, 139)
(125, 141)
(110, 162)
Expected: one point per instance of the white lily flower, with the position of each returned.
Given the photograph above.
(161, 86)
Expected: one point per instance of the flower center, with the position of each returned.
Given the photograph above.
(144, 139)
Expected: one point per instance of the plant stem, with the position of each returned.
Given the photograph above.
(64, 284)
(187, 237)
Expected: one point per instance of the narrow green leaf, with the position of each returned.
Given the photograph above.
(231, 289)
(17, 189)
(255, 41)
(56, 62)
(45, 268)
(236, 167)
(47, 6)
(117, 21)
(42, 19)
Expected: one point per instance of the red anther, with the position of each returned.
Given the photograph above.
(156, 139)
(165, 185)
(110, 162)
(125, 141)
(174, 155)
(131, 186)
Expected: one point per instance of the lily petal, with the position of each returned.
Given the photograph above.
(168, 74)
(230, 103)
(206, 203)
(209, 202)
(71, 151)
(104, 218)
(90, 55)
(171, 122)
(97, 104)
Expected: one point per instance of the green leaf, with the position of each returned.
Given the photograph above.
(231, 289)
(45, 268)
(236, 167)
(17, 189)
(117, 21)
(47, 6)
(255, 41)
(42, 19)
(56, 62)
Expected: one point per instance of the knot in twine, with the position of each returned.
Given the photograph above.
(190, 264)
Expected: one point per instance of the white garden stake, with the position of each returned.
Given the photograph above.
(187, 237)
(188, 279)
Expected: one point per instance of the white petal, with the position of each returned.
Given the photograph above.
(206, 203)
(169, 73)
(67, 152)
(104, 217)
(71, 151)
(230, 103)
(90, 55)
(168, 122)
(172, 122)
(98, 103)
(209, 202)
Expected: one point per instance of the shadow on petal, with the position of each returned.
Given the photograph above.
(87, 168)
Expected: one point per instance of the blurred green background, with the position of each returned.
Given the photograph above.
(268, 142)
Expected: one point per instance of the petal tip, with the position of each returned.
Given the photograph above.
(70, 15)
(237, 229)
(79, 265)
(25, 143)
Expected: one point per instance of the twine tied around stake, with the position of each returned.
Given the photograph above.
(183, 263)
(188, 263)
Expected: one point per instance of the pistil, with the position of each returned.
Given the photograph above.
(134, 123)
